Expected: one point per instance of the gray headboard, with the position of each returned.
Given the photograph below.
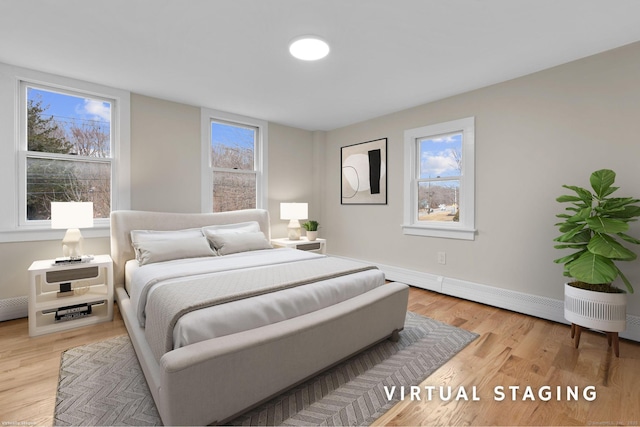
(122, 222)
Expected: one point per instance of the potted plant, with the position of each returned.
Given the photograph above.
(595, 227)
(312, 229)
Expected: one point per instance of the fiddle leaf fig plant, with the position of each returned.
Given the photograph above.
(594, 227)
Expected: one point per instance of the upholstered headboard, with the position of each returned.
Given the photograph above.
(122, 222)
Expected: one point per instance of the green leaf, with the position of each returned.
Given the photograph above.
(607, 225)
(611, 190)
(576, 207)
(582, 215)
(608, 247)
(582, 237)
(618, 202)
(601, 181)
(584, 194)
(565, 199)
(592, 268)
(629, 212)
(629, 239)
(626, 281)
(571, 246)
(564, 227)
(567, 258)
(570, 234)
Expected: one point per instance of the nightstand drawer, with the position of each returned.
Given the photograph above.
(304, 244)
(72, 274)
(310, 246)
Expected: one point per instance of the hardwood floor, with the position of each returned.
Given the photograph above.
(512, 350)
(29, 367)
(519, 350)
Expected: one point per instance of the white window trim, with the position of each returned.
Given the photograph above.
(12, 229)
(260, 155)
(465, 228)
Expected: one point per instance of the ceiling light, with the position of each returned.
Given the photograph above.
(309, 48)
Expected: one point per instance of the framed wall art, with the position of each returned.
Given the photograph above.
(364, 173)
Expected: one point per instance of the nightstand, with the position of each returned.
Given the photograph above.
(89, 298)
(318, 245)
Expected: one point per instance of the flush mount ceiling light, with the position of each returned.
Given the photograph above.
(309, 48)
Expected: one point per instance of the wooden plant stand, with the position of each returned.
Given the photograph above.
(612, 338)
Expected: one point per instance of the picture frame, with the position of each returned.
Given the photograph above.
(364, 173)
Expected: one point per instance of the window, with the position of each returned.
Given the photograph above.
(68, 155)
(439, 180)
(235, 172)
(61, 140)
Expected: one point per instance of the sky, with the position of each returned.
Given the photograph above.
(67, 108)
(437, 156)
(232, 136)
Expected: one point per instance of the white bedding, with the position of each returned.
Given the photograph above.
(249, 313)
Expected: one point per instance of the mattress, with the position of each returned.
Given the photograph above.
(249, 313)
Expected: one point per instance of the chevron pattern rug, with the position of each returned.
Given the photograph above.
(103, 384)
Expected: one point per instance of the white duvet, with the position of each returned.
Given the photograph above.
(244, 314)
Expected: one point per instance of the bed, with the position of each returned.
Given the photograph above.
(218, 333)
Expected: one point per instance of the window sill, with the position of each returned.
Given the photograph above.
(442, 232)
(39, 234)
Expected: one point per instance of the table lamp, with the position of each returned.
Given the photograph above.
(73, 216)
(294, 212)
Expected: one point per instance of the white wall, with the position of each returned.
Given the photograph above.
(291, 171)
(533, 134)
(165, 155)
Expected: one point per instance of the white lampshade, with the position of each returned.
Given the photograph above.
(294, 210)
(71, 214)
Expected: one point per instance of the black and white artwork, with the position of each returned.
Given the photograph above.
(364, 173)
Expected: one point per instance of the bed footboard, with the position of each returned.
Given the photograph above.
(212, 381)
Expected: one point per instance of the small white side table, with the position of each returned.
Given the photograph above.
(91, 284)
(318, 245)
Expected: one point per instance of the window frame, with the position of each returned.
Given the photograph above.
(14, 226)
(207, 116)
(26, 154)
(463, 229)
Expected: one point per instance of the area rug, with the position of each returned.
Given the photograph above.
(103, 384)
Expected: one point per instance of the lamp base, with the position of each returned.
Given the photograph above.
(72, 244)
(294, 229)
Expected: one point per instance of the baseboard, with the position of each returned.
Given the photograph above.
(532, 305)
(14, 308)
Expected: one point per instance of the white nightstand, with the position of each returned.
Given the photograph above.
(318, 245)
(90, 300)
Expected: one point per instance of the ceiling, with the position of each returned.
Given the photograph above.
(232, 55)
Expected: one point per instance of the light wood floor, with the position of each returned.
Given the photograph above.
(512, 350)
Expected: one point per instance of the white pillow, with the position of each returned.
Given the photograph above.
(139, 236)
(241, 227)
(231, 243)
(212, 231)
(166, 250)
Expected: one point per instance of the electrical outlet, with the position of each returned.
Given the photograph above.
(442, 257)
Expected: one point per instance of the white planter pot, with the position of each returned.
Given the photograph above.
(595, 310)
(312, 235)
